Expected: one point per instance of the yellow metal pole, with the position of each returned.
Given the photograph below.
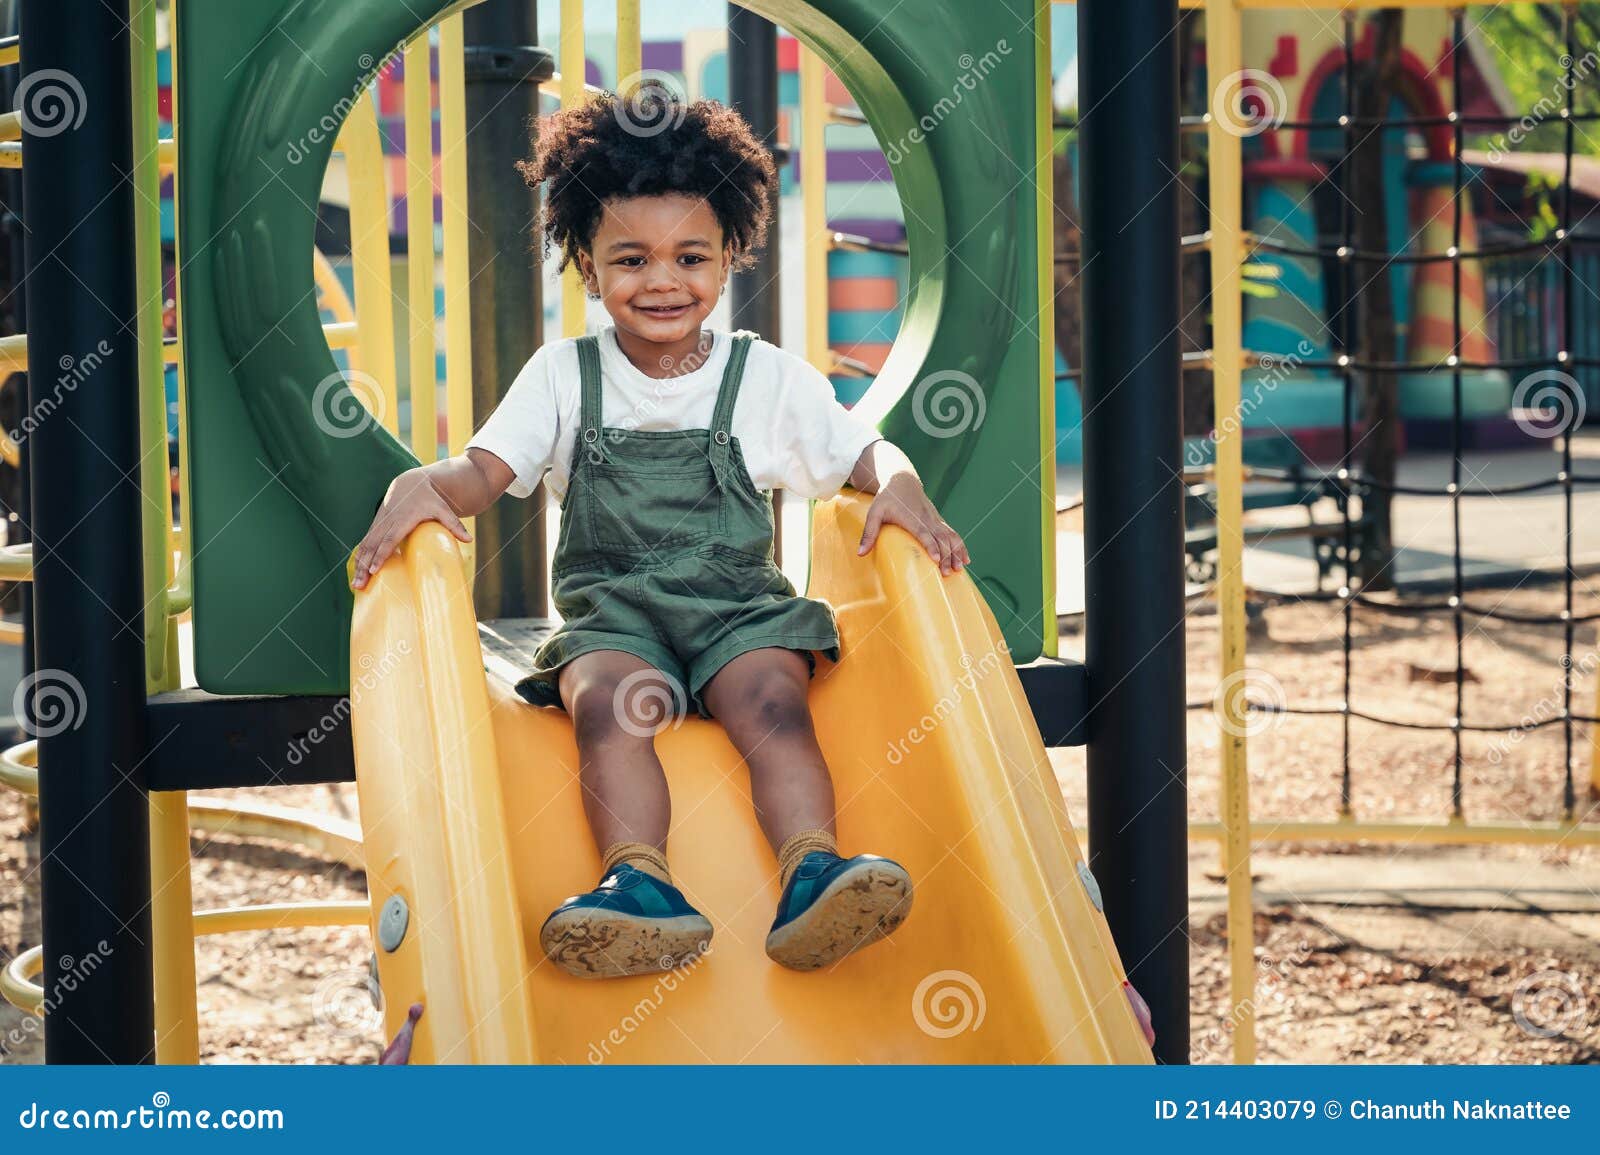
(814, 206)
(369, 252)
(1223, 62)
(419, 250)
(457, 302)
(171, 904)
(574, 302)
(630, 44)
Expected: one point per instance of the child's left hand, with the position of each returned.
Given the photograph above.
(903, 502)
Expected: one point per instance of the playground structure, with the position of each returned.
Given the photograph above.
(430, 731)
(275, 498)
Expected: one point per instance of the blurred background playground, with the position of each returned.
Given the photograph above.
(1410, 654)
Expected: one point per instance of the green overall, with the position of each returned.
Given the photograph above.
(666, 551)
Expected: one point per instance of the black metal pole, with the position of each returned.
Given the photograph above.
(89, 692)
(753, 89)
(1133, 507)
(503, 71)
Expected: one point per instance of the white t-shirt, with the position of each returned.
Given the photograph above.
(794, 433)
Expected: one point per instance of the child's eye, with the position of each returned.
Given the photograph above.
(631, 262)
(692, 259)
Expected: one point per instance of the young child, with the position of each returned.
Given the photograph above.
(663, 441)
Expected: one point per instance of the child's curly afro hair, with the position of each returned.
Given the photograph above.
(646, 143)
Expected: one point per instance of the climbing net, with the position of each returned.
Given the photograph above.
(1350, 480)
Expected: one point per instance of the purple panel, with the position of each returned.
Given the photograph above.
(663, 55)
(853, 165)
(392, 130)
(874, 229)
(591, 73)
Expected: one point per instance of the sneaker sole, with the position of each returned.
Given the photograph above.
(603, 944)
(856, 910)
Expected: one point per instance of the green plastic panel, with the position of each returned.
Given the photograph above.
(281, 491)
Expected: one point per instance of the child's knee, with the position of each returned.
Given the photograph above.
(773, 706)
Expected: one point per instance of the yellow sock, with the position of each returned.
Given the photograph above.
(797, 846)
(641, 856)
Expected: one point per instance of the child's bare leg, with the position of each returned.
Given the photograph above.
(635, 921)
(760, 699)
(829, 906)
(624, 789)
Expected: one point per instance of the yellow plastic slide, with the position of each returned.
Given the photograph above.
(473, 830)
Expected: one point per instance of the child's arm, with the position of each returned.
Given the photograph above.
(885, 470)
(446, 491)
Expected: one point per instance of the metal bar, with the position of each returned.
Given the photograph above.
(419, 249)
(503, 72)
(1133, 510)
(813, 205)
(1224, 55)
(753, 294)
(457, 297)
(94, 836)
(371, 265)
(574, 301)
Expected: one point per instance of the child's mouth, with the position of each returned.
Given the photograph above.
(663, 312)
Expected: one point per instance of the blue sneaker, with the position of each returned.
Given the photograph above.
(631, 924)
(834, 906)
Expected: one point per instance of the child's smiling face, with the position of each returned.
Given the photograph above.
(658, 263)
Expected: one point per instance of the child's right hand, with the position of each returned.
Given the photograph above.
(412, 499)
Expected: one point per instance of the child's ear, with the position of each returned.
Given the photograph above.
(591, 282)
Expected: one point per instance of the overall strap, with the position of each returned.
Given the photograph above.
(589, 411)
(727, 396)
